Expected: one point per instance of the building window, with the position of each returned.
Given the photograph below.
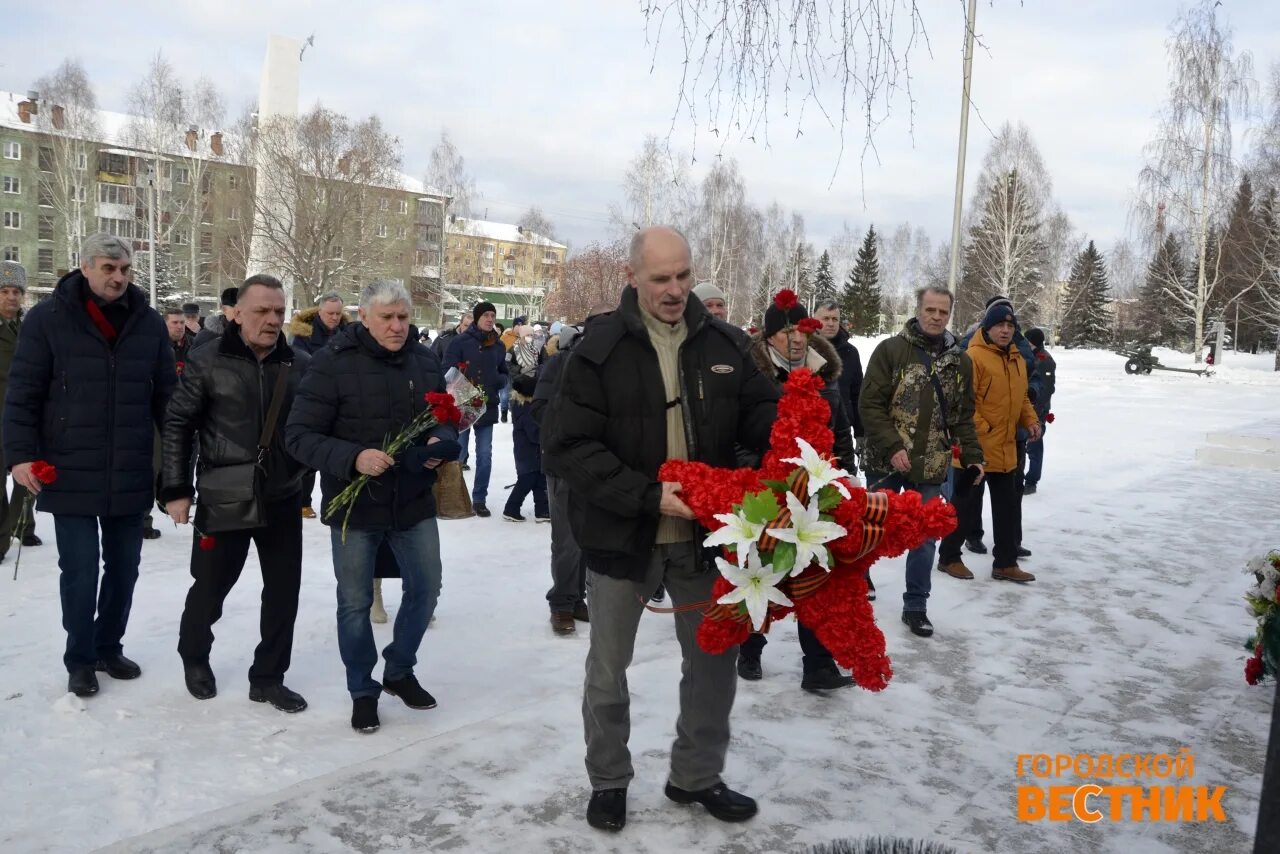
(115, 194)
(233, 214)
(45, 227)
(116, 164)
(44, 159)
(82, 161)
(384, 204)
(13, 151)
(382, 229)
(81, 193)
(206, 241)
(182, 268)
(548, 256)
(12, 219)
(11, 253)
(44, 261)
(233, 181)
(182, 175)
(118, 227)
(180, 236)
(401, 232)
(12, 184)
(206, 272)
(44, 195)
(404, 206)
(509, 268)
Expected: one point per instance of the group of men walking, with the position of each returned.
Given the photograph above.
(660, 376)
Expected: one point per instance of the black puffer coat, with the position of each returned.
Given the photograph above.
(606, 432)
(223, 398)
(850, 379)
(355, 395)
(86, 406)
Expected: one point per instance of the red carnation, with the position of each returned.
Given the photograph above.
(785, 299)
(207, 543)
(44, 472)
(443, 407)
(180, 366)
(809, 325)
(1042, 355)
(1049, 418)
(955, 450)
(752, 330)
(1253, 669)
(462, 366)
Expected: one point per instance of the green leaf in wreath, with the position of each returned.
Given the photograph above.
(760, 507)
(829, 499)
(784, 556)
(777, 485)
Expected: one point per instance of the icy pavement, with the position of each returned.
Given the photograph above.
(1128, 642)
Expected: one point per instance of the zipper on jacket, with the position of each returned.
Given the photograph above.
(690, 442)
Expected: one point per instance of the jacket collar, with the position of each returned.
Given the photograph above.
(69, 287)
(475, 332)
(231, 344)
(821, 358)
(912, 332)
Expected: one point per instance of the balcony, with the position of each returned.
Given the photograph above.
(423, 271)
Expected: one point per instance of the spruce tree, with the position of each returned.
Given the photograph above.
(1086, 310)
(1156, 308)
(824, 286)
(862, 302)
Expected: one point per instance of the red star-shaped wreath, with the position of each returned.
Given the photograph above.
(832, 600)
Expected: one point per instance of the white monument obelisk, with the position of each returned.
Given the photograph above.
(277, 99)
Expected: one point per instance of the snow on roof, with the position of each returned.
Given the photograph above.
(114, 132)
(500, 231)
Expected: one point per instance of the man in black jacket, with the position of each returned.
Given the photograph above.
(248, 492)
(1047, 373)
(850, 364)
(90, 380)
(368, 384)
(657, 379)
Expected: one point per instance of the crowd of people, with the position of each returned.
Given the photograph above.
(225, 425)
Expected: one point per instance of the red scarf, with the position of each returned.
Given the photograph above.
(100, 320)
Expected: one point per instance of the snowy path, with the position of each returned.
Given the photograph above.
(1129, 642)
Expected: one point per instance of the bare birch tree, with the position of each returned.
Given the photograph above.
(744, 60)
(322, 215)
(69, 119)
(593, 276)
(1190, 170)
(657, 190)
(447, 171)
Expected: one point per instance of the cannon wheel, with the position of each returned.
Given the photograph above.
(1133, 366)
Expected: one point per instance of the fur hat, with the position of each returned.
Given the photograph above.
(229, 296)
(480, 309)
(13, 275)
(191, 309)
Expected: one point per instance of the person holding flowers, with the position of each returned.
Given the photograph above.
(366, 417)
(235, 395)
(658, 379)
(788, 342)
(88, 388)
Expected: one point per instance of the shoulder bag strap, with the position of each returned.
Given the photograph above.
(927, 360)
(273, 410)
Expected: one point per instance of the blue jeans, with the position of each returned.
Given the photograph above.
(464, 439)
(417, 552)
(484, 463)
(919, 559)
(504, 396)
(1035, 458)
(89, 638)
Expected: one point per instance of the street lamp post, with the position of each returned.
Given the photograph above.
(970, 22)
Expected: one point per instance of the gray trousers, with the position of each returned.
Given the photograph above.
(707, 682)
(568, 566)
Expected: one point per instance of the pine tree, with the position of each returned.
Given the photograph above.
(1086, 311)
(1005, 254)
(824, 286)
(862, 301)
(1156, 313)
(1244, 270)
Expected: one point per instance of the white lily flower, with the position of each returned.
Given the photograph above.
(808, 533)
(821, 471)
(754, 583)
(738, 531)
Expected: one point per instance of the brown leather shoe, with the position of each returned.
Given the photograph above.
(562, 622)
(1012, 573)
(956, 569)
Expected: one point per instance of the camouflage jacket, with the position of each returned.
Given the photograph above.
(899, 405)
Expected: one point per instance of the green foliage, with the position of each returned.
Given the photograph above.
(862, 303)
(760, 507)
(784, 556)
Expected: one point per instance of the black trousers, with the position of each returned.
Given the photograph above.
(308, 487)
(976, 532)
(279, 544)
(530, 481)
(816, 656)
(1006, 515)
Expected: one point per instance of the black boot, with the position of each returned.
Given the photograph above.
(918, 622)
(200, 680)
(117, 666)
(825, 679)
(481, 510)
(749, 667)
(871, 590)
(976, 546)
(721, 801)
(364, 714)
(277, 695)
(82, 682)
(408, 689)
(607, 809)
(31, 540)
(1024, 552)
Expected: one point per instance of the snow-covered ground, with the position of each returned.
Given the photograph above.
(1128, 642)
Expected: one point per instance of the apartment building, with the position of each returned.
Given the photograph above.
(504, 264)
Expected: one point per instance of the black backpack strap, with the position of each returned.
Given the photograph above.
(273, 410)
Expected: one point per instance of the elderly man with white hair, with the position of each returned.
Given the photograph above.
(367, 384)
(90, 381)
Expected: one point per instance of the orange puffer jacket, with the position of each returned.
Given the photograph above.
(1000, 401)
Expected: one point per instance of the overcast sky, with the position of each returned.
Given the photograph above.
(549, 101)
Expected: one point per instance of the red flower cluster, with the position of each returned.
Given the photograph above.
(1253, 668)
(180, 365)
(207, 543)
(752, 330)
(718, 636)
(955, 450)
(708, 490)
(44, 472)
(785, 299)
(802, 413)
(809, 325)
(1049, 418)
(443, 407)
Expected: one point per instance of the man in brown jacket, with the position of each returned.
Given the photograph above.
(1000, 406)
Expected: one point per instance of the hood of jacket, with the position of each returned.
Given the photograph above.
(305, 322)
(912, 332)
(829, 372)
